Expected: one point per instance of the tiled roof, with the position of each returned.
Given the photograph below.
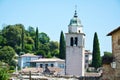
(88, 52)
(33, 70)
(40, 70)
(48, 60)
(29, 55)
(115, 30)
(55, 69)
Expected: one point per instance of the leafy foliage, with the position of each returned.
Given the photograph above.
(41, 53)
(16, 39)
(4, 75)
(43, 38)
(12, 35)
(7, 53)
(107, 58)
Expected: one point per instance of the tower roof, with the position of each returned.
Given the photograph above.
(75, 21)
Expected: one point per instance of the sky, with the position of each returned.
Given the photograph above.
(53, 16)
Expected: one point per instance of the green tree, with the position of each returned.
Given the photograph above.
(107, 58)
(2, 41)
(4, 75)
(7, 54)
(45, 48)
(43, 38)
(48, 55)
(55, 53)
(53, 45)
(12, 34)
(96, 59)
(41, 53)
(28, 48)
(62, 47)
(36, 39)
(31, 31)
(22, 39)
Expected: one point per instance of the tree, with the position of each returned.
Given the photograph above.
(12, 34)
(55, 53)
(31, 32)
(96, 59)
(2, 41)
(45, 48)
(7, 54)
(62, 47)
(54, 48)
(36, 39)
(28, 48)
(41, 53)
(53, 45)
(22, 39)
(43, 38)
(4, 75)
(107, 58)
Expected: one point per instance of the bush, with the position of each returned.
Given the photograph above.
(107, 58)
(4, 75)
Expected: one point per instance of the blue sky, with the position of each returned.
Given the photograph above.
(52, 16)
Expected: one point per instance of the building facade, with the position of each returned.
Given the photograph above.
(115, 34)
(55, 64)
(75, 41)
(88, 58)
(23, 60)
(48, 62)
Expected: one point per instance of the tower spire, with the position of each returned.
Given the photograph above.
(75, 15)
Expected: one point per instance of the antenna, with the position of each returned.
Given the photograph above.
(75, 7)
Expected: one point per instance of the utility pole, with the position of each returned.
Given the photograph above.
(30, 75)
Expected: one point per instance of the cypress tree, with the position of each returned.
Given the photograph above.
(22, 36)
(36, 39)
(96, 59)
(62, 46)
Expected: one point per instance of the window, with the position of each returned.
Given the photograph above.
(86, 61)
(86, 55)
(46, 65)
(76, 41)
(52, 65)
(41, 65)
(27, 58)
(61, 65)
(119, 40)
(71, 41)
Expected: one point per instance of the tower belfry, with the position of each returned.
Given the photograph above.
(75, 39)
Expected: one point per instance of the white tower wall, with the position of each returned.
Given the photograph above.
(75, 41)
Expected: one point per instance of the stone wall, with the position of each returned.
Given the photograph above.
(108, 72)
(116, 52)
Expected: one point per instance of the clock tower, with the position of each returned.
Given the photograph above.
(75, 41)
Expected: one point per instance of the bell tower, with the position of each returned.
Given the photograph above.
(75, 41)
